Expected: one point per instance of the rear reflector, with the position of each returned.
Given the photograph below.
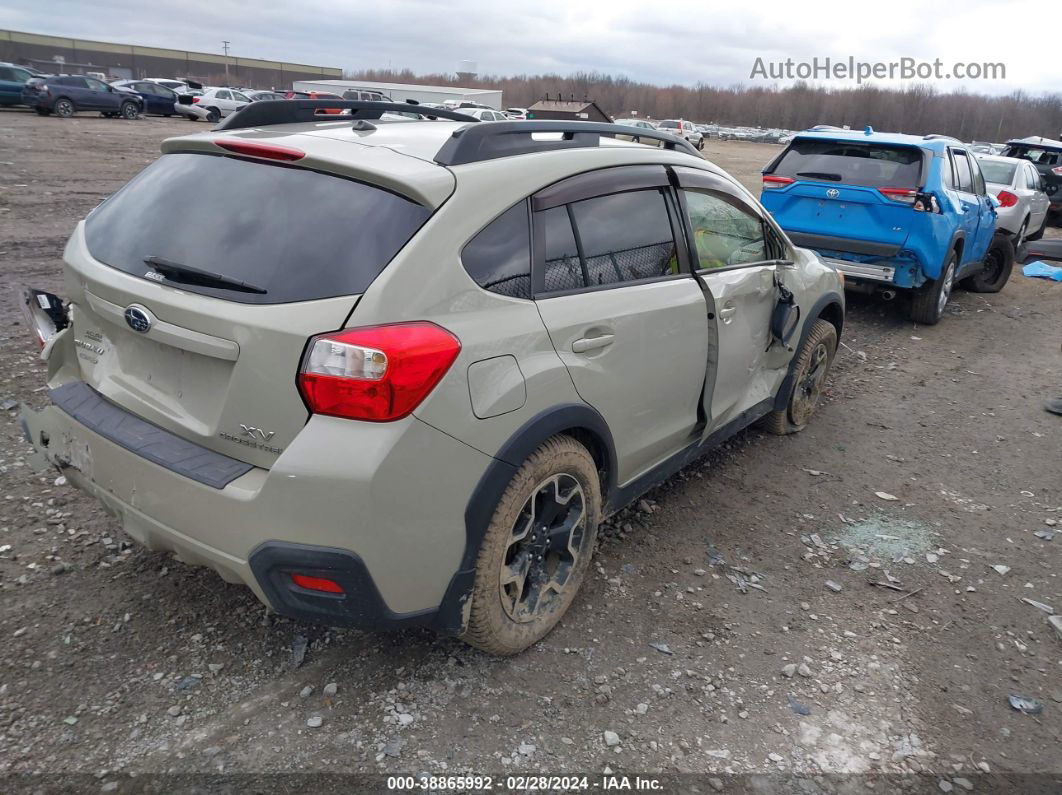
(379, 373)
(1007, 199)
(901, 195)
(771, 182)
(255, 149)
(316, 583)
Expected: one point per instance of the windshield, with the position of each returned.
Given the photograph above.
(872, 165)
(997, 171)
(670, 125)
(299, 234)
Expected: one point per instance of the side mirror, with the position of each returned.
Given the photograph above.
(785, 317)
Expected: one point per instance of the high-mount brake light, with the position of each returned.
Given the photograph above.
(377, 373)
(771, 182)
(256, 149)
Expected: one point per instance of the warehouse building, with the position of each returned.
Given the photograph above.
(400, 92)
(130, 61)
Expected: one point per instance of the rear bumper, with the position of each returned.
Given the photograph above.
(380, 505)
(857, 270)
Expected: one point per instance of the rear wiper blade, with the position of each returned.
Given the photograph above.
(820, 175)
(177, 272)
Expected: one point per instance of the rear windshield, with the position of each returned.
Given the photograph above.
(299, 234)
(669, 125)
(997, 171)
(1041, 157)
(873, 165)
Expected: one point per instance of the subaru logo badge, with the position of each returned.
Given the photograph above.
(138, 319)
(833, 193)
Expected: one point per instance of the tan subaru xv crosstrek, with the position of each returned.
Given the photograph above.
(391, 373)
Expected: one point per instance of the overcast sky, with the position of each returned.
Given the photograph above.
(661, 42)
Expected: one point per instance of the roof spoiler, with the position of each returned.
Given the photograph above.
(294, 111)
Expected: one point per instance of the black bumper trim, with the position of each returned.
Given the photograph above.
(139, 436)
(820, 242)
(360, 605)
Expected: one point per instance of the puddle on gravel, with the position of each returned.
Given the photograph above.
(886, 538)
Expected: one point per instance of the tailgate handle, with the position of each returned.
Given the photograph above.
(586, 344)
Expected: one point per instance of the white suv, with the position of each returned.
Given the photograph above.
(686, 130)
(402, 370)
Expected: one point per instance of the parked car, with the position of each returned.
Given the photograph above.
(162, 101)
(428, 427)
(65, 95)
(365, 95)
(1023, 204)
(516, 114)
(484, 114)
(1046, 155)
(261, 96)
(891, 212)
(178, 86)
(638, 124)
(220, 102)
(682, 129)
(12, 78)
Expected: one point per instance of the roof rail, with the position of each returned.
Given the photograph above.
(292, 111)
(505, 138)
(940, 137)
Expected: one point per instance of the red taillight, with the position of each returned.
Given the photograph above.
(255, 149)
(1007, 199)
(1057, 171)
(379, 373)
(316, 583)
(901, 195)
(771, 182)
(195, 100)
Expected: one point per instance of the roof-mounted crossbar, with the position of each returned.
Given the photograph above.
(293, 111)
(504, 138)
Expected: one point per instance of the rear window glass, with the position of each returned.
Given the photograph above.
(668, 125)
(873, 165)
(997, 171)
(299, 234)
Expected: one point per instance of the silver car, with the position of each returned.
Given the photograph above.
(362, 391)
(1023, 204)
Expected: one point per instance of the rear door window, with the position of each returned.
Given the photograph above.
(852, 163)
(963, 173)
(299, 234)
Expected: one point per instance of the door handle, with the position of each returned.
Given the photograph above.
(586, 344)
(727, 312)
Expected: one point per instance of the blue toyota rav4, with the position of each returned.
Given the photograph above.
(891, 211)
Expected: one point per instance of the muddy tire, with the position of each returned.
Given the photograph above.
(811, 366)
(63, 108)
(536, 549)
(999, 262)
(928, 302)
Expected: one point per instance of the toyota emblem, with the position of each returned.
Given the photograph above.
(138, 319)
(833, 193)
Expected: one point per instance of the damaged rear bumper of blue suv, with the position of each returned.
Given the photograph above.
(890, 211)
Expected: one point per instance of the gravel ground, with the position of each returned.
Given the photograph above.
(734, 622)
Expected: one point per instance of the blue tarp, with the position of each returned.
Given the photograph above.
(1043, 271)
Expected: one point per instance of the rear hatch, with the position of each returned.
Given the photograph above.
(1048, 161)
(197, 285)
(846, 195)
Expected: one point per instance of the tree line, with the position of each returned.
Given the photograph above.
(916, 108)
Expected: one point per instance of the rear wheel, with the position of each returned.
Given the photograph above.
(536, 549)
(1039, 232)
(999, 261)
(213, 115)
(810, 368)
(928, 303)
(63, 108)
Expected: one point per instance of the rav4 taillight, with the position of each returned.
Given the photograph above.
(901, 195)
(1006, 198)
(1057, 171)
(771, 182)
(378, 373)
